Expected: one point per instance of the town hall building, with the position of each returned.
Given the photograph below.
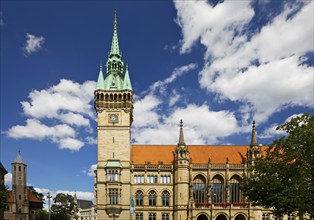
(165, 182)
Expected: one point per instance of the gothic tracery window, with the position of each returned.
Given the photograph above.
(139, 198)
(199, 189)
(152, 198)
(235, 191)
(218, 189)
(165, 197)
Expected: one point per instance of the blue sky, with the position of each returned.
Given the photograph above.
(217, 65)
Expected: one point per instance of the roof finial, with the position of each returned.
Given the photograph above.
(100, 65)
(115, 19)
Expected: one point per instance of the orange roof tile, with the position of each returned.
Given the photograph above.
(32, 198)
(198, 153)
(30, 195)
(10, 196)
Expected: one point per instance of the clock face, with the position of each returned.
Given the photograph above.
(113, 118)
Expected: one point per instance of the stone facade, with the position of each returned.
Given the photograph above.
(23, 203)
(165, 182)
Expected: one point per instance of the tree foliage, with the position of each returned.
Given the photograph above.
(3, 197)
(42, 215)
(283, 178)
(64, 207)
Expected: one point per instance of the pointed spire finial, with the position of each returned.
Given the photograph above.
(253, 138)
(100, 65)
(115, 19)
(181, 137)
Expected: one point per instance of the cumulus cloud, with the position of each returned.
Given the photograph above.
(57, 113)
(8, 179)
(177, 72)
(271, 131)
(262, 70)
(33, 44)
(154, 125)
(79, 194)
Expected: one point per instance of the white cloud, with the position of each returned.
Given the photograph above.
(74, 119)
(177, 72)
(67, 96)
(174, 98)
(145, 111)
(8, 179)
(53, 193)
(33, 44)
(264, 71)
(271, 131)
(91, 140)
(34, 129)
(92, 169)
(71, 144)
(212, 126)
(69, 103)
(62, 134)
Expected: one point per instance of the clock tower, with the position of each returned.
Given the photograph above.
(114, 107)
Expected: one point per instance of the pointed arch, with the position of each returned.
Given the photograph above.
(199, 189)
(218, 188)
(139, 195)
(165, 198)
(235, 190)
(152, 197)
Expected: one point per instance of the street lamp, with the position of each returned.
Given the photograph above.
(49, 197)
(212, 196)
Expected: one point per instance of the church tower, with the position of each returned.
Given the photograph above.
(114, 107)
(19, 188)
(181, 178)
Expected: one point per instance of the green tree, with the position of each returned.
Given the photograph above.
(3, 197)
(42, 215)
(282, 179)
(64, 207)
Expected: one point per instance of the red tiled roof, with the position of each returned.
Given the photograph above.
(198, 153)
(30, 195)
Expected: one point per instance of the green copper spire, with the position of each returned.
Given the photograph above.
(115, 42)
(100, 81)
(127, 82)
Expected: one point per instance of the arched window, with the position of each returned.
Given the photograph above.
(152, 198)
(139, 198)
(165, 198)
(235, 192)
(152, 216)
(218, 189)
(199, 189)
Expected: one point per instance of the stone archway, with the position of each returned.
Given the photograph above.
(240, 217)
(221, 217)
(202, 217)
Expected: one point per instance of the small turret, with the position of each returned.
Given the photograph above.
(181, 151)
(254, 151)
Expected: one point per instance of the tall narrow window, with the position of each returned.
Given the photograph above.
(165, 216)
(113, 175)
(265, 216)
(139, 216)
(139, 198)
(235, 192)
(218, 189)
(113, 197)
(152, 216)
(199, 189)
(165, 197)
(152, 198)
